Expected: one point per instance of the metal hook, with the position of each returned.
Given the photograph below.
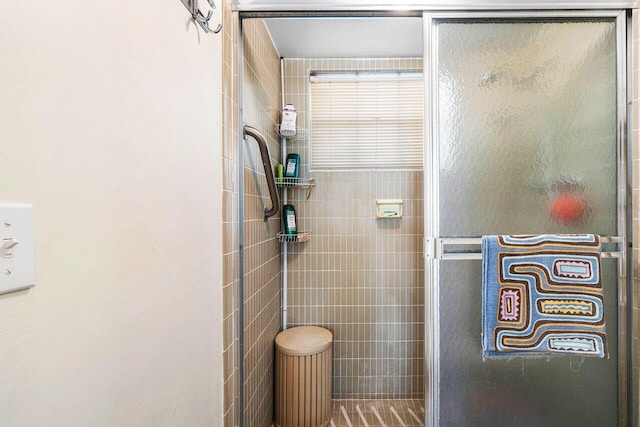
(212, 4)
(198, 16)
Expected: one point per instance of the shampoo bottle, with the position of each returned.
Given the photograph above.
(289, 219)
(292, 165)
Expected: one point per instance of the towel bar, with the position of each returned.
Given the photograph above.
(468, 248)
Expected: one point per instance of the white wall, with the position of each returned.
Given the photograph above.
(110, 118)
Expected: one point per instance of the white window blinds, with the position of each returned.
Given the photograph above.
(366, 121)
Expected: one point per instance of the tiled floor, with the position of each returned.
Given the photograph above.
(384, 413)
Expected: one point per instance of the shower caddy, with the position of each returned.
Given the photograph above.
(293, 183)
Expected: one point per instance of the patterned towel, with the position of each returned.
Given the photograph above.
(542, 295)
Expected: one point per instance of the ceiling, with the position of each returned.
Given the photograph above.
(378, 37)
(389, 37)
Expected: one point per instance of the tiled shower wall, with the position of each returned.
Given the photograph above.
(360, 277)
(261, 108)
(262, 275)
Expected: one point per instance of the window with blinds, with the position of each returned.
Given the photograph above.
(366, 121)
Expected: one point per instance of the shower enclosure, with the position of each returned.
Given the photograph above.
(525, 132)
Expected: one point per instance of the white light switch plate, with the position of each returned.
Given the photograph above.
(17, 261)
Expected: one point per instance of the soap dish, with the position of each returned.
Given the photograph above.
(388, 208)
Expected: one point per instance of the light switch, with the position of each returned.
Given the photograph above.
(17, 262)
(7, 246)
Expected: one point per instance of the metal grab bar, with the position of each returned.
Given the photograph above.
(268, 169)
(442, 248)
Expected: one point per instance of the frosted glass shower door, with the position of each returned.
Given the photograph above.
(525, 134)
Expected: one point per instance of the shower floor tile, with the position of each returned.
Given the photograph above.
(377, 412)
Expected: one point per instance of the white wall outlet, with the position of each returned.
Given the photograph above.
(17, 260)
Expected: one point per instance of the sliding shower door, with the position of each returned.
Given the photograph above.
(526, 134)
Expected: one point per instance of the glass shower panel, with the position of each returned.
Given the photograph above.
(525, 125)
(526, 122)
(559, 391)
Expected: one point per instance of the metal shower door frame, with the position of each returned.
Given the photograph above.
(431, 198)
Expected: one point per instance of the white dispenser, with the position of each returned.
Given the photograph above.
(288, 122)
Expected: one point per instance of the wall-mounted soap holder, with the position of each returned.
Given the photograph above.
(388, 208)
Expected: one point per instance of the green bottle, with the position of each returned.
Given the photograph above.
(292, 165)
(289, 219)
